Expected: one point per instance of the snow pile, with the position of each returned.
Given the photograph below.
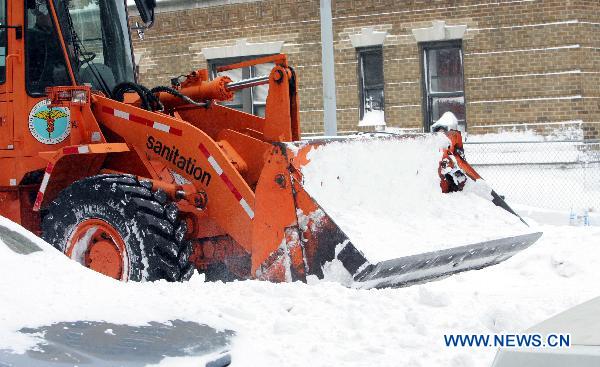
(385, 195)
(373, 118)
(448, 121)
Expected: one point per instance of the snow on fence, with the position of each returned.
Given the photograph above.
(549, 174)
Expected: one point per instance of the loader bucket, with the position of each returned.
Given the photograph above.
(391, 211)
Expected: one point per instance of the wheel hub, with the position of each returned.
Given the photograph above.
(98, 246)
(105, 258)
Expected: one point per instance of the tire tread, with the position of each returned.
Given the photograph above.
(167, 254)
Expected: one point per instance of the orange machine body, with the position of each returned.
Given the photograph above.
(219, 152)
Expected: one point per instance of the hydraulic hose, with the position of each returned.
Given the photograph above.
(119, 91)
(149, 99)
(176, 93)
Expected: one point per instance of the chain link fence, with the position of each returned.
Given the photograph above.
(560, 175)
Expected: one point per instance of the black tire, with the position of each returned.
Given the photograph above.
(145, 220)
(220, 272)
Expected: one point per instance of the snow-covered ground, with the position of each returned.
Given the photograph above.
(322, 324)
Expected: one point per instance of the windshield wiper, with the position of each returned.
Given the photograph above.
(79, 49)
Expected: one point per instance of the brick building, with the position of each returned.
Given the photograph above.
(497, 64)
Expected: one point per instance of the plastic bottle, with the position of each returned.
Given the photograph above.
(572, 217)
(586, 218)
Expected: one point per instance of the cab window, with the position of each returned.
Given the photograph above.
(45, 64)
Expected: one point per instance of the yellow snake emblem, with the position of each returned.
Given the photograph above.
(50, 116)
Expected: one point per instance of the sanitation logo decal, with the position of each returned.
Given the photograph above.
(171, 154)
(49, 125)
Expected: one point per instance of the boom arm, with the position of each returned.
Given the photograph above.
(192, 154)
(220, 151)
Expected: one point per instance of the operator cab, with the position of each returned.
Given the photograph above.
(55, 43)
(97, 43)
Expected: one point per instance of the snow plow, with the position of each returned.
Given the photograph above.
(144, 184)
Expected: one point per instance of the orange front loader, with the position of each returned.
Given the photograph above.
(145, 184)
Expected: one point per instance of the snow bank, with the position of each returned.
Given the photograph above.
(385, 195)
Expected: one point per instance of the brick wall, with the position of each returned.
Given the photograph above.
(531, 64)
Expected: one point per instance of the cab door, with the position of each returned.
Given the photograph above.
(6, 124)
(44, 66)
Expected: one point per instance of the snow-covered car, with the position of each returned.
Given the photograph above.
(582, 326)
(56, 312)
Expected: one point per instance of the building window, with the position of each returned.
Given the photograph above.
(251, 100)
(443, 82)
(370, 77)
